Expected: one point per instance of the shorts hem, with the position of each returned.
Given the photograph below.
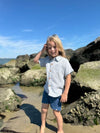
(56, 110)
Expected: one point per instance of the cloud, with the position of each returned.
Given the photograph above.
(18, 47)
(5, 41)
(11, 47)
(77, 41)
(27, 30)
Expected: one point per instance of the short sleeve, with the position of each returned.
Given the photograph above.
(43, 61)
(68, 68)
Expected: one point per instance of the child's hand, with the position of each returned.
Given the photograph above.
(63, 98)
(37, 57)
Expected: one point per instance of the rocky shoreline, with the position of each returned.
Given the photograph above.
(82, 107)
(27, 119)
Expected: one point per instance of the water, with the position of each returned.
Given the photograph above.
(28, 94)
(5, 60)
(22, 91)
(17, 89)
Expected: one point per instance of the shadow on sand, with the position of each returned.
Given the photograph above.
(35, 116)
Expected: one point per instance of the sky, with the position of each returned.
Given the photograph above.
(26, 24)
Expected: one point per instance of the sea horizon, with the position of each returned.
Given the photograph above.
(5, 60)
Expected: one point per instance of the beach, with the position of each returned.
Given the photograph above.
(27, 118)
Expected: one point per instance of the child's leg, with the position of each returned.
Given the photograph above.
(44, 111)
(59, 121)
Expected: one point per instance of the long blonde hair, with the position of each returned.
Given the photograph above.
(58, 43)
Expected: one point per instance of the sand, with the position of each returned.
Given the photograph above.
(27, 119)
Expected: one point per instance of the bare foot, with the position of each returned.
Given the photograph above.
(42, 129)
(60, 131)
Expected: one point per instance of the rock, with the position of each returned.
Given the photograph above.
(69, 53)
(85, 111)
(30, 64)
(25, 62)
(10, 64)
(8, 100)
(91, 52)
(32, 56)
(33, 77)
(97, 39)
(89, 75)
(83, 106)
(9, 75)
(21, 62)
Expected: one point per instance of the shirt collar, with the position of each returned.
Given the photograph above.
(58, 58)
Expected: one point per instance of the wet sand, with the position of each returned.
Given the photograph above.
(27, 119)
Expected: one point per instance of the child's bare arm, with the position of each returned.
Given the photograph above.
(64, 96)
(37, 57)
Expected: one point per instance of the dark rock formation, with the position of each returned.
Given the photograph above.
(21, 62)
(85, 111)
(89, 53)
(83, 106)
(69, 53)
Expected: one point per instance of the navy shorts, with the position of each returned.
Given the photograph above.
(53, 101)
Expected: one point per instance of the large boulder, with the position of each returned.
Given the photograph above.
(85, 111)
(84, 96)
(69, 53)
(9, 75)
(88, 75)
(33, 77)
(91, 52)
(25, 62)
(21, 62)
(8, 99)
(30, 64)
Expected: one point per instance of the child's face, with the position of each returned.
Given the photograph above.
(52, 49)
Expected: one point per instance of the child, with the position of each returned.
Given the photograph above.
(58, 71)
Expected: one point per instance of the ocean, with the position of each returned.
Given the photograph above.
(4, 60)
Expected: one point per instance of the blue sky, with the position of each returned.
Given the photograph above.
(26, 24)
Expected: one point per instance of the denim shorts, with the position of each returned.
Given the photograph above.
(53, 101)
